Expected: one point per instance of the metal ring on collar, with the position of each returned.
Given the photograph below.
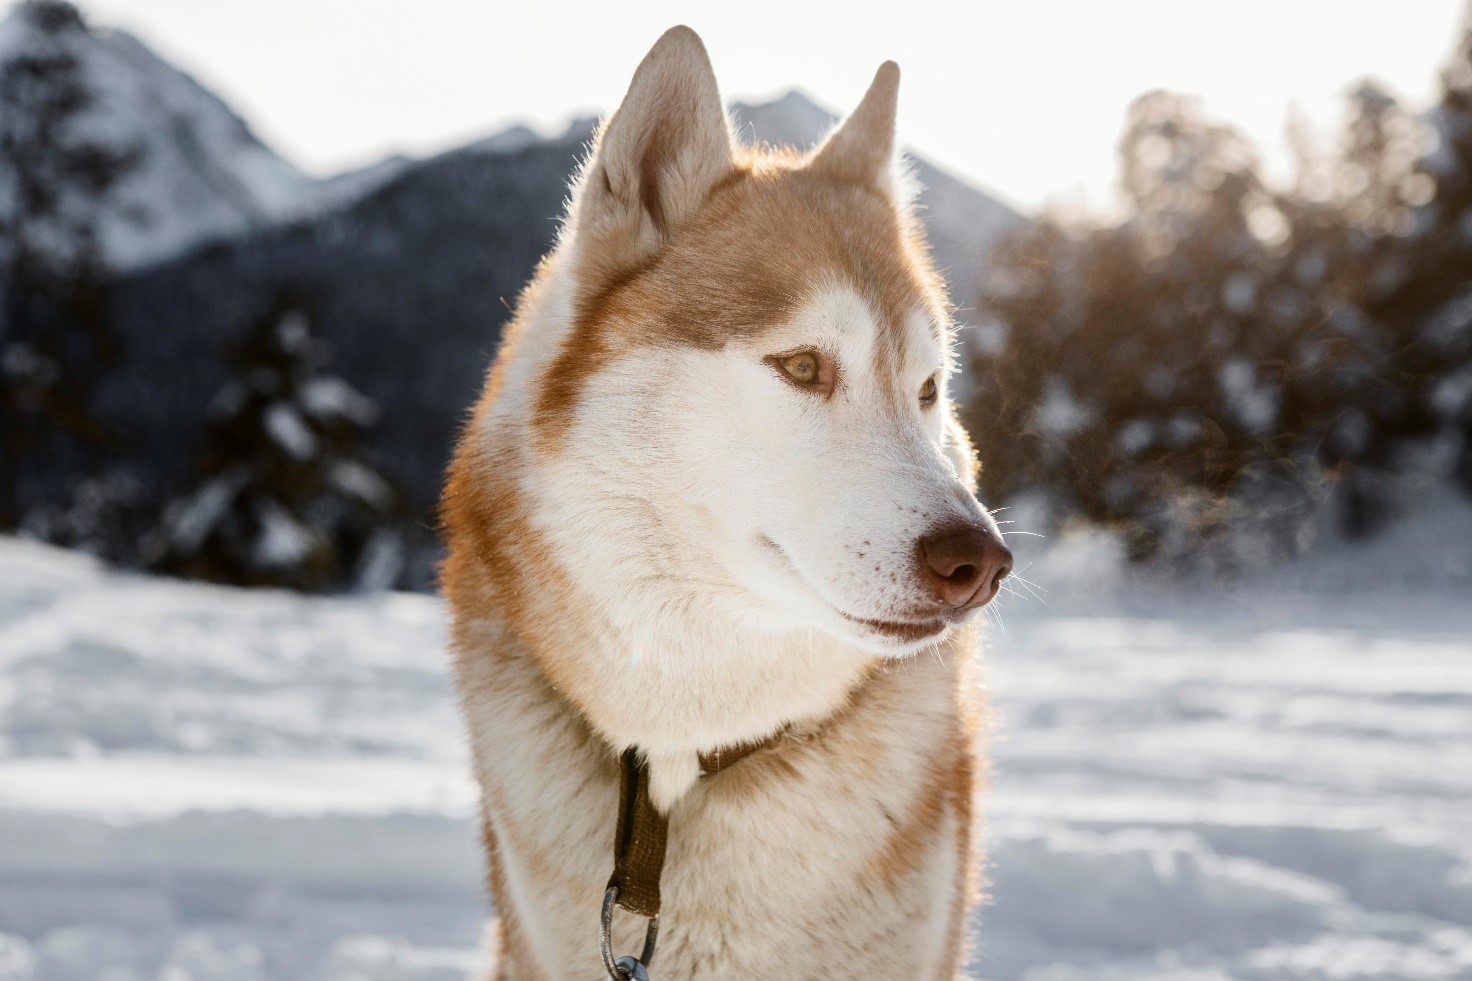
(625, 968)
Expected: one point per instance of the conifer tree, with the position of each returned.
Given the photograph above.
(285, 496)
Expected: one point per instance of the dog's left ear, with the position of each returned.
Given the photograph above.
(861, 149)
(657, 157)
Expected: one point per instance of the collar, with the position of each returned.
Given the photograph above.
(639, 845)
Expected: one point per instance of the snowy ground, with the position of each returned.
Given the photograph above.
(205, 783)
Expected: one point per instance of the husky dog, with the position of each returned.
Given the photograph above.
(715, 496)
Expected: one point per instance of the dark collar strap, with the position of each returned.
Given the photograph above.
(717, 760)
(640, 838)
(639, 841)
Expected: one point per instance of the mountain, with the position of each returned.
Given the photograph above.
(200, 173)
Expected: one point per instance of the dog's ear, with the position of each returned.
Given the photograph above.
(861, 148)
(657, 157)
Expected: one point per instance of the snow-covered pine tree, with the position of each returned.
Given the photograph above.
(54, 337)
(285, 496)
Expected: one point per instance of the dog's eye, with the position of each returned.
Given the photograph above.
(810, 370)
(928, 392)
(801, 367)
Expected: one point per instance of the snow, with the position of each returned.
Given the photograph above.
(1253, 401)
(1265, 781)
(1060, 413)
(329, 398)
(190, 521)
(289, 431)
(202, 175)
(357, 479)
(284, 541)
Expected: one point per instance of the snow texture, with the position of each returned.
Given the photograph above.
(1264, 783)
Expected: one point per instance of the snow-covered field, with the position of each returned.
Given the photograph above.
(1273, 782)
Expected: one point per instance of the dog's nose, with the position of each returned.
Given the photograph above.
(963, 565)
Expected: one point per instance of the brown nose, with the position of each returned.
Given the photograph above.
(963, 565)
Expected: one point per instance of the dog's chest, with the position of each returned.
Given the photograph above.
(848, 843)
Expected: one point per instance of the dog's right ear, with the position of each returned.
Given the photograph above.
(656, 158)
(861, 148)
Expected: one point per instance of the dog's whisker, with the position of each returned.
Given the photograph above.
(1012, 592)
(1033, 589)
(1023, 579)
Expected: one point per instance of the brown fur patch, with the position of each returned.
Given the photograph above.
(900, 858)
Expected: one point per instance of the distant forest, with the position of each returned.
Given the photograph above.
(1233, 357)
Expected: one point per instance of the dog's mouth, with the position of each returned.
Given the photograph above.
(900, 631)
(905, 631)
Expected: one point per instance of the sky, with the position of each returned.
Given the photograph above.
(1023, 97)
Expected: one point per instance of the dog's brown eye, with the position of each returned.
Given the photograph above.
(810, 370)
(928, 392)
(801, 367)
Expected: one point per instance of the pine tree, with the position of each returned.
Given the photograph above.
(53, 331)
(285, 496)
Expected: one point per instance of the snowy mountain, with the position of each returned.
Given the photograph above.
(409, 287)
(200, 173)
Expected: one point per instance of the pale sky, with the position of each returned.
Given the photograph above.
(1025, 97)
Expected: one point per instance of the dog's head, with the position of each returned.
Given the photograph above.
(746, 417)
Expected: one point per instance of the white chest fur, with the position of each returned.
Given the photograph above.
(840, 852)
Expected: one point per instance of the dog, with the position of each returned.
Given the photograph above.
(714, 504)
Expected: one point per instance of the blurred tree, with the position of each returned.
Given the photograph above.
(54, 337)
(1423, 291)
(1129, 369)
(285, 497)
(1187, 372)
